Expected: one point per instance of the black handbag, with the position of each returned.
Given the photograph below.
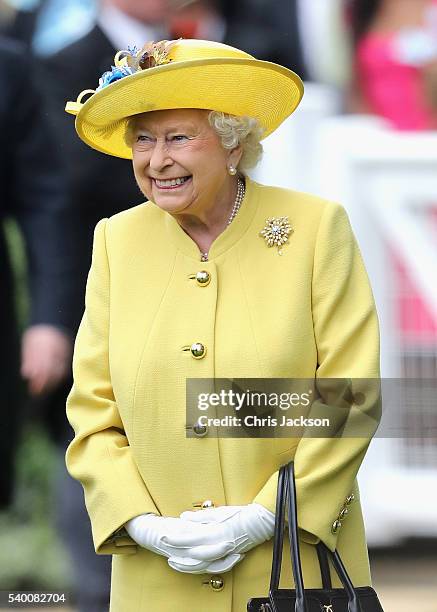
(326, 599)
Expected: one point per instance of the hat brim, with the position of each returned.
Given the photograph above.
(238, 86)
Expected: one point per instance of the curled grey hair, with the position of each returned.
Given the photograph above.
(232, 130)
(244, 131)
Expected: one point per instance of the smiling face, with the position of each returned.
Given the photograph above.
(180, 163)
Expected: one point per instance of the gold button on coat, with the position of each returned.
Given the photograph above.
(215, 582)
(198, 350)
(335, 526)
(343, 513)
(350, 498)
(203, 278)
(200, 430)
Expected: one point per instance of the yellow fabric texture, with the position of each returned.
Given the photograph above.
(309, 312)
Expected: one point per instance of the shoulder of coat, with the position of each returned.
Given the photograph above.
(134, 219)
(281, 200)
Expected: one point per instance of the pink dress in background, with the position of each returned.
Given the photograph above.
(394, 91)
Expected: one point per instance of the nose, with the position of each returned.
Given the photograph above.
(160, 157)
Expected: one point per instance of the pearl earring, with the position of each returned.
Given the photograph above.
(232, 170)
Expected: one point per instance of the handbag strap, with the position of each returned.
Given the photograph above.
(278, 536)
(278, 540)
(322, 556)
(301, 605)
(287, 489)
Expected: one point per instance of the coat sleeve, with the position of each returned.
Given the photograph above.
(99, 456)
(347, 338)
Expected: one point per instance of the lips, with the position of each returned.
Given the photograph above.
(173, 183)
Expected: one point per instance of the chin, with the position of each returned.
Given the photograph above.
(171, 206)
(178, 209)
(171, 203)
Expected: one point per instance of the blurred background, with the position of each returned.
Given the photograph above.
(365, 136)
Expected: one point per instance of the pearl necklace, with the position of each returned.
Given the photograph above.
(241, 190)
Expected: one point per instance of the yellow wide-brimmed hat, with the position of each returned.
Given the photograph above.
(183, 74)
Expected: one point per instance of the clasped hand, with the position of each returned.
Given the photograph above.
(205, 541)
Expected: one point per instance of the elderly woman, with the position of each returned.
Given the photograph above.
(188, 285)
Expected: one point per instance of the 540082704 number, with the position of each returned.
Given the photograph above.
(32, 598)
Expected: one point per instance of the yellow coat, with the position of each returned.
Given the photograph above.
(309, 312)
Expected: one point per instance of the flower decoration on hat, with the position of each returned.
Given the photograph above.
(276, 232)
(128, 62)
(154, 54)
(115, 74)
(132, 60)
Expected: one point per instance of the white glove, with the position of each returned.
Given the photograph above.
(194, 566)
(230, 529)
(150, 531)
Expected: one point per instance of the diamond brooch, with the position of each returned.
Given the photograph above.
(276, 232)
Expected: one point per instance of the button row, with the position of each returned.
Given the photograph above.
(342, 514)
(197, 349)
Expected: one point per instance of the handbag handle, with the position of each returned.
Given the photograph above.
(287, 489)
(279, 539)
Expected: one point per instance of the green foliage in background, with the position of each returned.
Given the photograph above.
(31, 555)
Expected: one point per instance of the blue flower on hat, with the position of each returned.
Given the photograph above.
(115, 74)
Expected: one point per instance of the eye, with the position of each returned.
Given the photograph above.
(143, 138)
(179, 137)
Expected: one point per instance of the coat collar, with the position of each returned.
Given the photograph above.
(227, 239)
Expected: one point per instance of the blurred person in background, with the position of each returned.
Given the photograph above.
(33, 194)
(395, 61)
(269, 30)
(307, 36)
(46, 26)
(395, 78)
(202, 19)
(119, 23)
